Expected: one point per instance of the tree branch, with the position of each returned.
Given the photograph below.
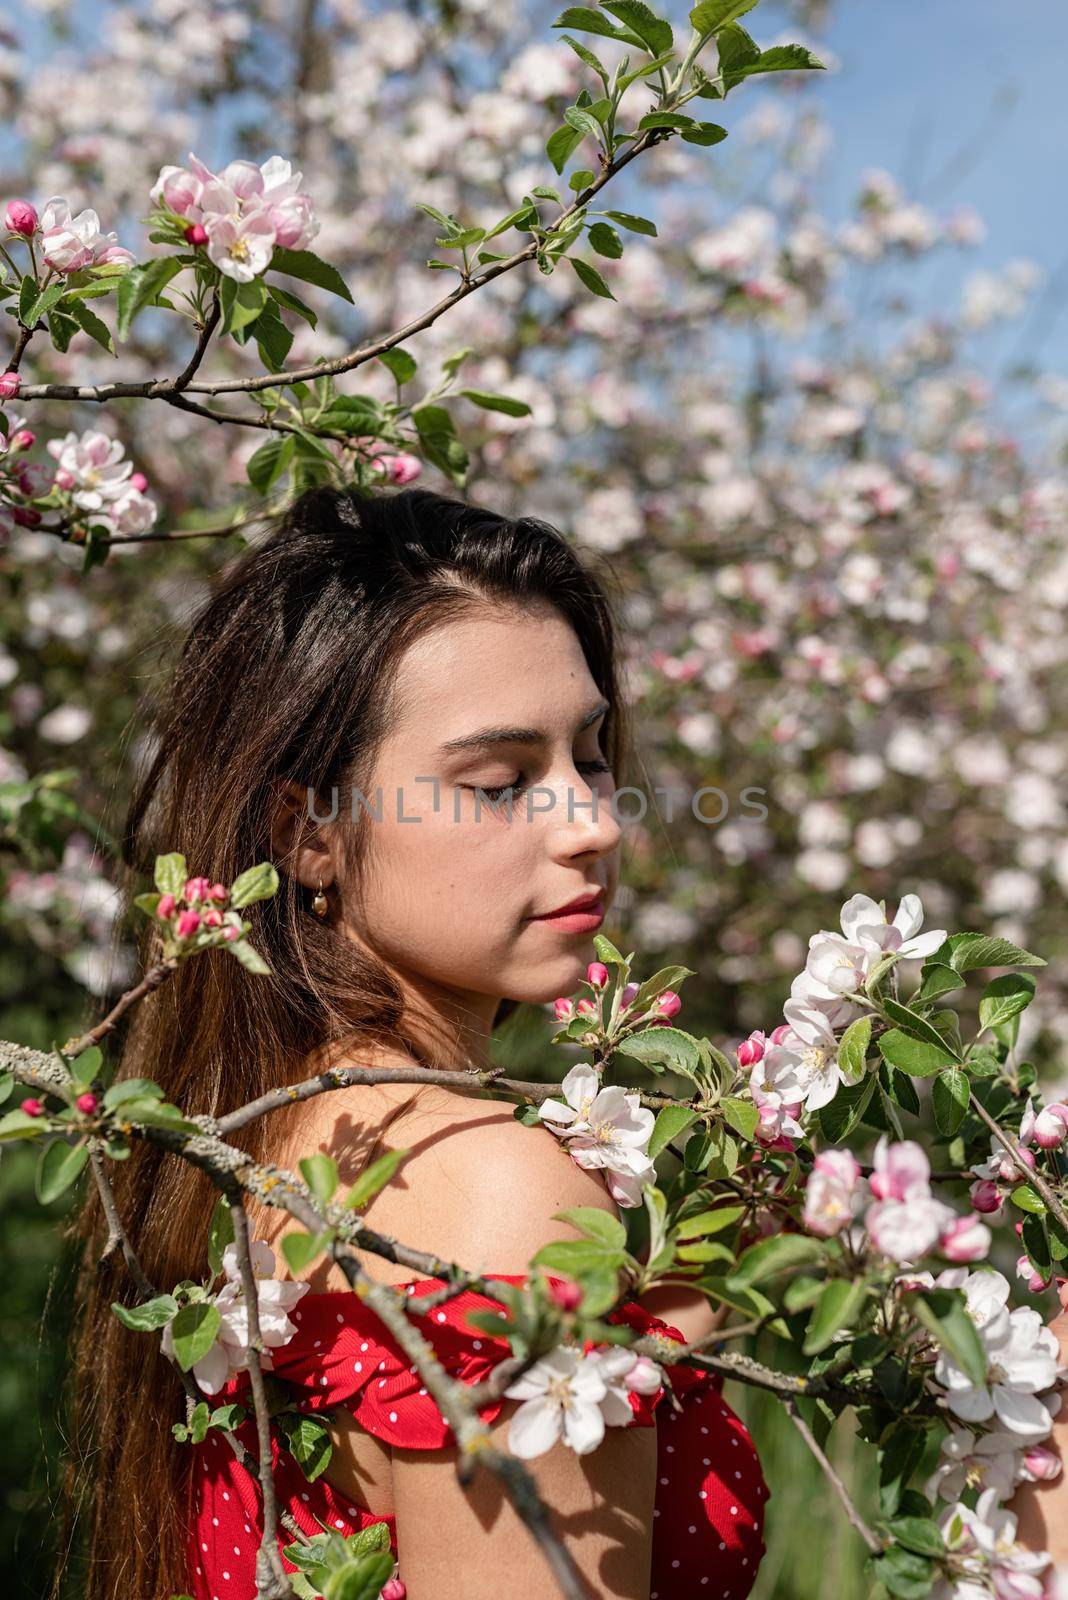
(874, 1545)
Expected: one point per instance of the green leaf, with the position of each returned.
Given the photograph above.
(249, 957)
(193, 1331)
(943, 1313)
(320, 1174)
(607, 952)
(853, 1049)
(668, 1047)
(497, 402)
(375, 1178)
(1025, 1198)
(256, 883)
(272, 337)
(915, 1056)
(561, 145)
(139, 287)
(32, 307)
(949, 1099)
(904, 1574)
(920, 1535)
(308, 1441)
(300, 1249)
(586, 20)
(595, 1224)
(836, 1308)
(605, 241)
(584, 123)
(785, 58)
(914, 1025)
(737, 50)
(937, 979)
(292, 303)
(57, 1168)
(220, 1234)
(171, 874)
(627, 219)
(241, 303)
(705, 133)
(842, 1115)
(589, 276)
(742, 1116)
(308, 267)
(653, 31)
(1004, 998)
(131, 1089)
(768, 1257)
(577, 1256)
(403, 366)
(148, 1315)
(670, 1122)
(269, 462)
(711, 15)
(703, 1223)
(967, 951)
(91, 324)
(84, 1068)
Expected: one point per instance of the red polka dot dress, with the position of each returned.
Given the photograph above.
(710, 1492)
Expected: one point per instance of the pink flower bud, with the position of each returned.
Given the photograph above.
(138, 481)
(669, 1004)
(220, 892)
(196, 889)
(985, 1195)
(87, 1103)
(24, 439)
(751, 1050)
(230, 933)
(779, 1034)
(626, 998)
(1041, 1464)
(965, 1240)
(196, 234)
(393, 1589)
(188, 923)
(1051, 1126)
(1017, 1229)
(586, 1008)
(563, 1010)
(10, 384)
(403, 467)
(1034, 1280)
(20, 217)
(567, 1293)
(213, 917)
(166, 906)
(597, 974)
(644, 1376)
(64, 479)
(32, 1107)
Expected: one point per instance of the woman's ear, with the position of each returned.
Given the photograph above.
(299, 846)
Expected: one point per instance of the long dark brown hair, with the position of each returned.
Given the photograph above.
(287, 672)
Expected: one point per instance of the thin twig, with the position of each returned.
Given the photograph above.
(1029, 1175)
(874, 1545)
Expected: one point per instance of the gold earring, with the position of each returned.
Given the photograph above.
(320, 903)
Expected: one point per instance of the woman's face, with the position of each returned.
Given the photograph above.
(447, 894)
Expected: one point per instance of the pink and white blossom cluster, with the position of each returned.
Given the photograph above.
(574, 1395)
(605, 1130)
(240, 213)
(92, 469)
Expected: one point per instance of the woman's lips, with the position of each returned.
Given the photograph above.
(585, 920)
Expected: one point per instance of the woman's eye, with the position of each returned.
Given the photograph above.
(519, 784)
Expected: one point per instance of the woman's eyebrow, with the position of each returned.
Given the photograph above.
(491, 736)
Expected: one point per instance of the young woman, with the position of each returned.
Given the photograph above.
(411, 647)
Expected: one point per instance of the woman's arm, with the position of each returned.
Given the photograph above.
(482, 1189)
(1042, 1508)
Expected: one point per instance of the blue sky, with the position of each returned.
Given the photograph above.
(967, 101)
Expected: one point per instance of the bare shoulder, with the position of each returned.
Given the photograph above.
(474, 1185)
(479, 1185)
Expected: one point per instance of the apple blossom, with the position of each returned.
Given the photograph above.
(274, 1298)
(1034, 1280)
(669, 1004)
(561, 1395)
(832, 1192)
(87, 1103)
(987, 1559)
(32, 1106)
(10, 384)
(625, 1373)
(1051, 1126)
(241, 213)
(975, 1461)
(965, 1240)
(188, 923)
(606, 1129)
(1022, 1357)
(751, 1050)
(166, 906)
(597, 974)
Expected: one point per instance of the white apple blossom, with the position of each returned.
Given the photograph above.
(606, 1129)
(806, 1048)
(245, 210)
(274, 1298)
(986, 1557)
(834, 1193)
(1022, 1359)
(69, 243)
(975, 1461)
(864, 922)
(561, 1395)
